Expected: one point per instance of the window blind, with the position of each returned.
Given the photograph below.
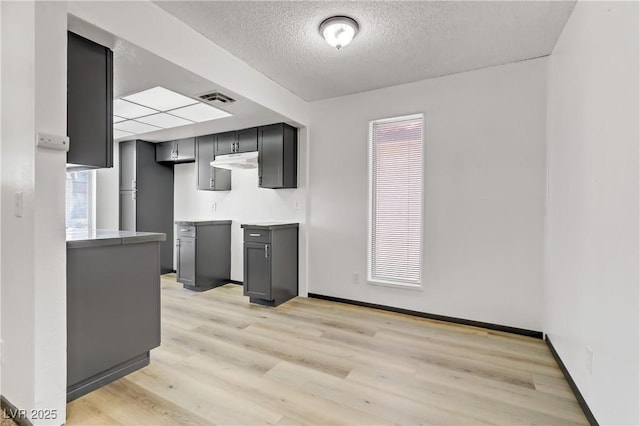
(395, 251)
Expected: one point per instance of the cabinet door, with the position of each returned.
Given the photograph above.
(204, 156)
(225, 143)
(247, 140)
(89, 102)
(128, 210)
(164, 152)
(186, 273)
(257, 270)
(270, 156)
(185, 150)
(127, 166)
(220, 179)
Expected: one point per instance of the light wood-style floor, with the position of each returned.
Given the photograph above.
(308, 361)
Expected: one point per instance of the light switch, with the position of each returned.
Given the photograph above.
(18, 204)
(45, 140)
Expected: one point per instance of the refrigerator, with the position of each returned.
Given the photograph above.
(146, 195)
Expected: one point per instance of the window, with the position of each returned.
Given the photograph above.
(79, 199)
(395, 201)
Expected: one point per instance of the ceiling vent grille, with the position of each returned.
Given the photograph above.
(217, 97)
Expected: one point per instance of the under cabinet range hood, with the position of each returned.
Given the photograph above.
(243, 160)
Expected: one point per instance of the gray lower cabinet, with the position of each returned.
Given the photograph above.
(204, 254)
(187, 260)
(270, 262)
(257, 274)
(113, 309)
(210, 178)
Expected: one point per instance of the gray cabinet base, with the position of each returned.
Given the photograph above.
(263, 302)
(200, 288)
(106, 377)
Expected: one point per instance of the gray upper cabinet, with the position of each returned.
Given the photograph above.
(277, 146)
(164, 152)
(89, 103)
(226, 143)
(278, 156)
(178, 151)
(245, 140)
(209, 178)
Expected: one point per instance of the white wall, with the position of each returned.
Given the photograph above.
(484, 194)
(245, 203)
(591, 291)
(33, 246)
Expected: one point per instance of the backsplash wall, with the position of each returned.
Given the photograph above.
(246, 202)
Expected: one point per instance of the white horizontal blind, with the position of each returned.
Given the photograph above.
(78, 199)
(395, 250)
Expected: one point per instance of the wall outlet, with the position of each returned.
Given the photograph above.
(296, 205)
(588, 360)
(214, 206)
(355, 278)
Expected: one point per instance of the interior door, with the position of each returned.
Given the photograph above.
(186, 273)
(257, 270)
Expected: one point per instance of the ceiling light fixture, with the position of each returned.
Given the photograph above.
(338, 31)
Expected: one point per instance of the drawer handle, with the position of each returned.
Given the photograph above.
(184, 230)
(255, 235)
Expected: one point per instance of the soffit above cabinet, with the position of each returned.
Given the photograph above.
(136, 69)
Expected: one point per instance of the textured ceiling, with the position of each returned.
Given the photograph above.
(398, 42)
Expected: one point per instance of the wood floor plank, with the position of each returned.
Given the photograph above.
(316, 362)
(378, 402)
(300, 405)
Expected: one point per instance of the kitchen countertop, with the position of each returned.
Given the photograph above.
(78, 238)
(202, 222)
(269, 225)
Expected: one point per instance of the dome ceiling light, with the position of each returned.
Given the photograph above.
(338, 31)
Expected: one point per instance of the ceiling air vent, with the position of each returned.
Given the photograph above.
(217, 97)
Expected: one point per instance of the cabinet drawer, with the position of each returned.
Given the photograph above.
(186, 231)
(257, 236)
